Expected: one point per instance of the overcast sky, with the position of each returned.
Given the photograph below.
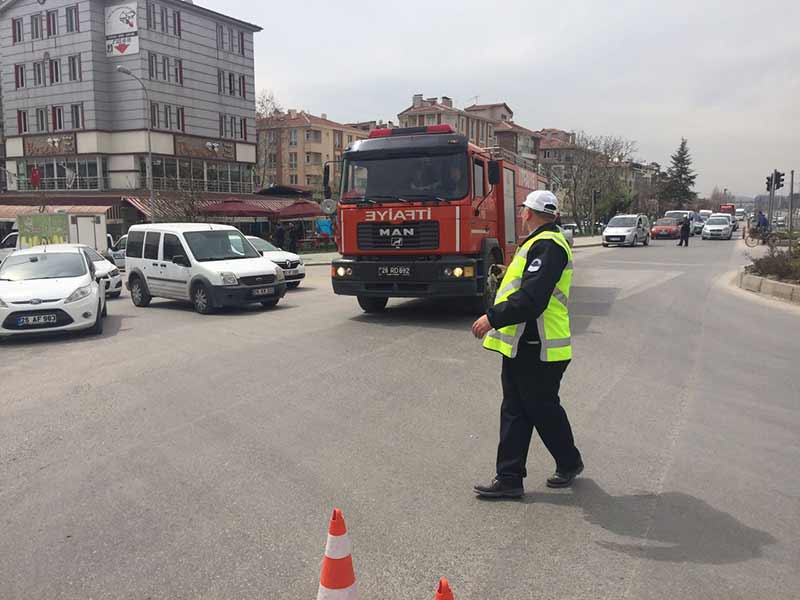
(649, 71)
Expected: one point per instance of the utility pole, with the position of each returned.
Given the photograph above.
(771, 197)
(791, 202)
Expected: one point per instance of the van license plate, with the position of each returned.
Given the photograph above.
(394, 271)
(263, 291)
(46, 319)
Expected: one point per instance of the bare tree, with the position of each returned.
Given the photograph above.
(182, 202)
(267, 108)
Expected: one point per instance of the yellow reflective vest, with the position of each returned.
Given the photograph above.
(553, 323)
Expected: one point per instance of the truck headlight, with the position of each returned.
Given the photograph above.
(279, 276)
(229, 278)
(79, 294)
(342, 271)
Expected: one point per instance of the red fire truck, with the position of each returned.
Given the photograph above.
(425, 213)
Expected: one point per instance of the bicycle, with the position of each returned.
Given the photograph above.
(756, 236)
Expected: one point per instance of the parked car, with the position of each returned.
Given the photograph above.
(105, 269)
(292, 265)
(209, 265)
(627, 230)
(50, 288)
(118, 252)
(697, 225)
(717, 228)
(666, 228)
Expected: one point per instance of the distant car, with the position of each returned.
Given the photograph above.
(780, 221)
(105, 269)
(734, 224)
(627, 230)
(697, 225)
(666, 228)
(293, 268)
(717, 228)
(569, 229)
(50, 289)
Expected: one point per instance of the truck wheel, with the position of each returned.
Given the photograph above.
(370, 304)
(491, 285)
(139, 294)
(201, 300)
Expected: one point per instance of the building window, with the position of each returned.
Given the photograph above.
(58, 118)
(73, 23)
(220, 81)
(164, 20)
(55, 71)
(165, 68)
(38, 73)
(220, 37)
(241, 43)
(74, 67)
(314, 136)
(349, 139)
(292, 160)
(231, 84)
(178, 71)
(52, 23)
(19, 76)
(176, 22)
(36, 27)
(41, 120)
(167, 116)
(293, 137)
(76, 113)
(16, 30)
(243, 129)
(151, 16)
(152, 61)
(230, 39)
(292, 179)
(22, 121)
(243, 86)
(181, 119)
(547, 153)
(272, 160)
(223, 124)
(234, 130)
(155, 116)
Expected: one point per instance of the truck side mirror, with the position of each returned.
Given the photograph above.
(326, 180)
(494, 172)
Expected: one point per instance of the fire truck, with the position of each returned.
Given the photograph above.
(424, 213)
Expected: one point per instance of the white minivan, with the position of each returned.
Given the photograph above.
(209, 265)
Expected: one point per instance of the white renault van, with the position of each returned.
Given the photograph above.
(209, 265)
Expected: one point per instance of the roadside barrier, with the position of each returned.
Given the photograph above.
(444, 592)
(337, 580)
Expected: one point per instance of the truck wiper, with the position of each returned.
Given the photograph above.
(427, 197)
(388, 197)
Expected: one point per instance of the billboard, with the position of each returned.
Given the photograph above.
(122, 29)
(35, 230)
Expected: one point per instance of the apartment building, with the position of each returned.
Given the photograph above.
(80, 124)
(294, 146)
(476, 126)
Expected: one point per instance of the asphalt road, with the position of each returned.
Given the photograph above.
(182, 456)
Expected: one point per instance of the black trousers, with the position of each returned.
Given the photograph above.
(684, 240)
(530, 400)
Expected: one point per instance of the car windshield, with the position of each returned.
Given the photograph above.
(405, 178)
(93, 255)
(667, 222)
(54, 265)
(676, 214)
(262, 245)
(622, 222)
(717, 221)
(219, 245)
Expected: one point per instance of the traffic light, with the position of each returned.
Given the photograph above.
(778, 179)
(769, 183)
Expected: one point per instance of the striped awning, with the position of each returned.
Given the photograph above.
(9, 212)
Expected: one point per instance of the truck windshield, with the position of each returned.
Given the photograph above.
(219, 245)
(405, 178)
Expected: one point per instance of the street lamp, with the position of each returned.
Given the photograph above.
(147, 118)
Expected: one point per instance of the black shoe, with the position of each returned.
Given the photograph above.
(500, 488)
(562, 479)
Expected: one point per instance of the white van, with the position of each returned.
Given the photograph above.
(209, 265)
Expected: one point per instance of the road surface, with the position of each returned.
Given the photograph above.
(187, 456)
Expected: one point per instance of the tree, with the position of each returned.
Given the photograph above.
(267, 108)
(678, 192)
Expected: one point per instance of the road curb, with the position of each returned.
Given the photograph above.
(763, 286)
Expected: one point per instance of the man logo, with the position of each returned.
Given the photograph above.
(396, 232)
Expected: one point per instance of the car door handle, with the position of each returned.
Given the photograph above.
(155, 264)
(163, 266)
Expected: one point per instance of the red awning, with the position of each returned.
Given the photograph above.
(302, 209)
(236, 208)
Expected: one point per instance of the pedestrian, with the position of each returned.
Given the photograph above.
(529, 325)
(686, 229)
(279, 237)
(293, 237)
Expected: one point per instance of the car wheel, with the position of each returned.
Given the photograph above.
(293, 285)
(605, 245)
(635, 241)
(201, 299)
(97, 328)
(372, 305)
(139, 294)
(270, 303)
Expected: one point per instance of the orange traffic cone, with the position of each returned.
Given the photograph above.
(444, 592)
(337, 581)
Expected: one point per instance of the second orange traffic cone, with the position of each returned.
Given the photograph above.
(444, 592)
(337, 581)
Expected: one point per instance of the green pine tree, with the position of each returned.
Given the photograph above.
(678, 192)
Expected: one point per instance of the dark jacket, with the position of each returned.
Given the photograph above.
(686, 228)
(538, 282)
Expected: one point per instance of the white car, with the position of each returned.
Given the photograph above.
(731, 221)
(293, 268)
(105, 269)
(627, 230)
(717, 227)
(209, 265)
(50, 289)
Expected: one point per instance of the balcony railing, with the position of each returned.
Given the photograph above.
(61, 183)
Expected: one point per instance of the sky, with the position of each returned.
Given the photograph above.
(725, 74)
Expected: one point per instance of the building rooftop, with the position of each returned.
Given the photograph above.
(293, 118)
(488, 106)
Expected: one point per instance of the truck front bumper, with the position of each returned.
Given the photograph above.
(426, 278)
(238, 295)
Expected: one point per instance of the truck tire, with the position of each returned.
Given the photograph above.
(371, 304)
(139, 294)
(201, 299)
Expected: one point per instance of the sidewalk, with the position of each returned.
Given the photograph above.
(325, 258)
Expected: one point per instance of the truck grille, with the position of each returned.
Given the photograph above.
(410, 235)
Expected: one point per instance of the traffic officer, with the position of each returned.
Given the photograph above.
(529, 325)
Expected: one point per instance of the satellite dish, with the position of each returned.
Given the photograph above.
(328, 206)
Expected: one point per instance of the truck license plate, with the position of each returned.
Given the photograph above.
(46, 319)
(394, 271)
(263, 291)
